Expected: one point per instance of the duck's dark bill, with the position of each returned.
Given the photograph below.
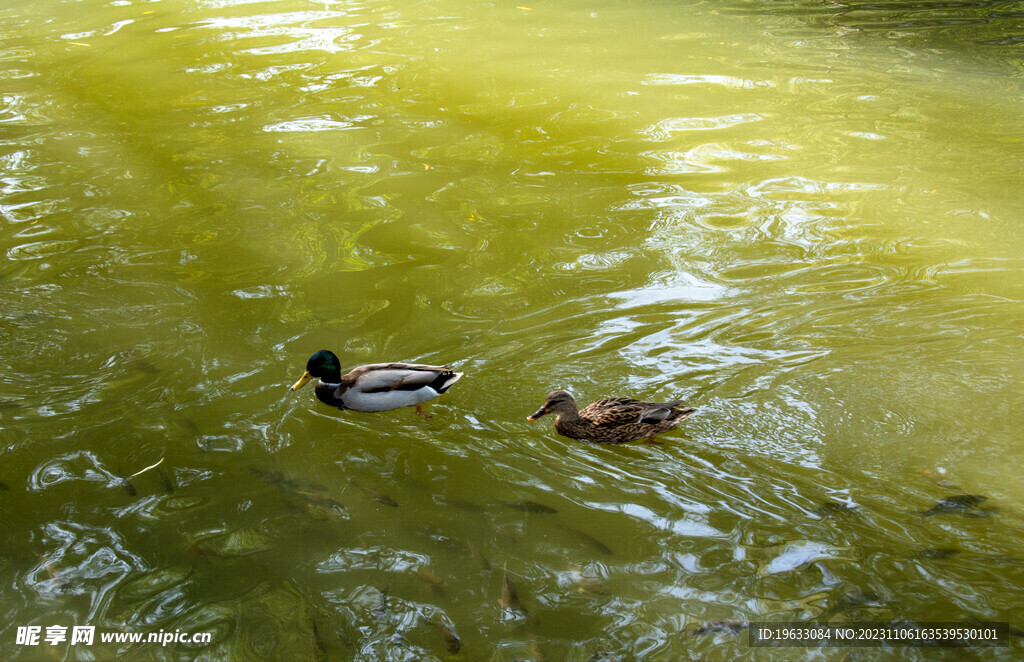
(306, 377)
(535, 415)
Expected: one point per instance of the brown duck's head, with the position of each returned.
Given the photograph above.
(557, 401)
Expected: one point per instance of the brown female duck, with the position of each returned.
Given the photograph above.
(612, 420)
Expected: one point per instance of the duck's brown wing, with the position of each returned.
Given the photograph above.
(613, 412)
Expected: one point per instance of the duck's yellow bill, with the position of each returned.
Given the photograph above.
(303, 380)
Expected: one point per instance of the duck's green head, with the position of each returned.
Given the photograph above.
(323, 365)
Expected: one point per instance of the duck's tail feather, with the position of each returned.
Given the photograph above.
(445, 380)
(669, 411)
(681, 414)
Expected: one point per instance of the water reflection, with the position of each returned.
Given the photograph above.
(954, 22)
(759, 210)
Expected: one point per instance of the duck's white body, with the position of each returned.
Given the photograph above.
(385, 386)
(376, 386)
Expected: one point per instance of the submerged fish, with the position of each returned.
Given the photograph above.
(938, 479)
(191, 426)
(317, 498)
(308, 491)
(144, 366)
(127, 485)
(536, 654)
(380, 606)
(936, 553)
(509, 596)
(315, 511)
(436, 583)
(440, 537)
(588, 584)
(955, 504)
(829, 508)
(504, 534)
(376, 495)
(852, 600)
(56, 576)
(478, 555)
(319, 647)
(282, 481)
(452, 644)
(530, 507)
(165, 481)
(275, 478)
(462, 503)
(590, 540)
(195, 548)
(717, 627)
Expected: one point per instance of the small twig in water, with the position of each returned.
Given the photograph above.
(152, 466)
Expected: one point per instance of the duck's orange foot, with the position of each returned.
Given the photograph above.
(424, 414)
(652, 440)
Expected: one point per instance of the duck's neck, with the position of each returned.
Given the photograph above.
(333, 378)
(327, 393)
(568, 416)
(570, 424)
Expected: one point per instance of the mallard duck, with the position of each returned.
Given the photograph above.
(612, 420)
(376, 386)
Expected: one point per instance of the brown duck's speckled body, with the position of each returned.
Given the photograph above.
(612, 420)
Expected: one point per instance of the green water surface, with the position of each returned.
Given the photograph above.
(804, 219)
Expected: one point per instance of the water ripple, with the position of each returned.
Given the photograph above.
(706, 79)
(757, 214)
